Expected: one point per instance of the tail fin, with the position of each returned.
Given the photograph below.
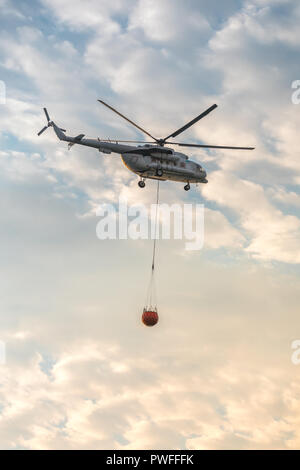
(59, 132)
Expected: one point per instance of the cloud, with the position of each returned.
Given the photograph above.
(93, 16)
(102, 392)
(289, 198)
(220, 233)
(8, 9)
(168, 22)
(274, 235)
(82, 372)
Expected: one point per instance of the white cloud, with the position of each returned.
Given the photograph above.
(82, 372)
(168, 21)
(274, 235)
(94, 15)
(289, 198)
(220, 233)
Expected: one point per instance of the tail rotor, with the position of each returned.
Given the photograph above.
(49, 123)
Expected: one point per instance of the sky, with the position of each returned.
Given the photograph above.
(81, 371)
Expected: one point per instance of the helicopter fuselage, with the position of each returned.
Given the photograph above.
(175, 167)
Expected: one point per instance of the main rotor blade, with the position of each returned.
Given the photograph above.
(127, 141)
(191, 123)
(176, 143)
(43, 130)
(126, 119)
(209, 146)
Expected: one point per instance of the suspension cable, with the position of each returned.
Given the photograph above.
(151, 296)
(155, 226)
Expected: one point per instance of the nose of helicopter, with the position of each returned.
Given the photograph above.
(203, 176)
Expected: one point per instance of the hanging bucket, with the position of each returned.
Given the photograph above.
(150, 317)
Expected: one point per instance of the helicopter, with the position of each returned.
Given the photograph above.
(153, 159)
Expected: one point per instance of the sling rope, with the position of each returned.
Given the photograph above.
(155, 226)
(151, 297)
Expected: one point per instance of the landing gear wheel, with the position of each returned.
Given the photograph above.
(187, 187)
(159, 172)
(141, 184)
